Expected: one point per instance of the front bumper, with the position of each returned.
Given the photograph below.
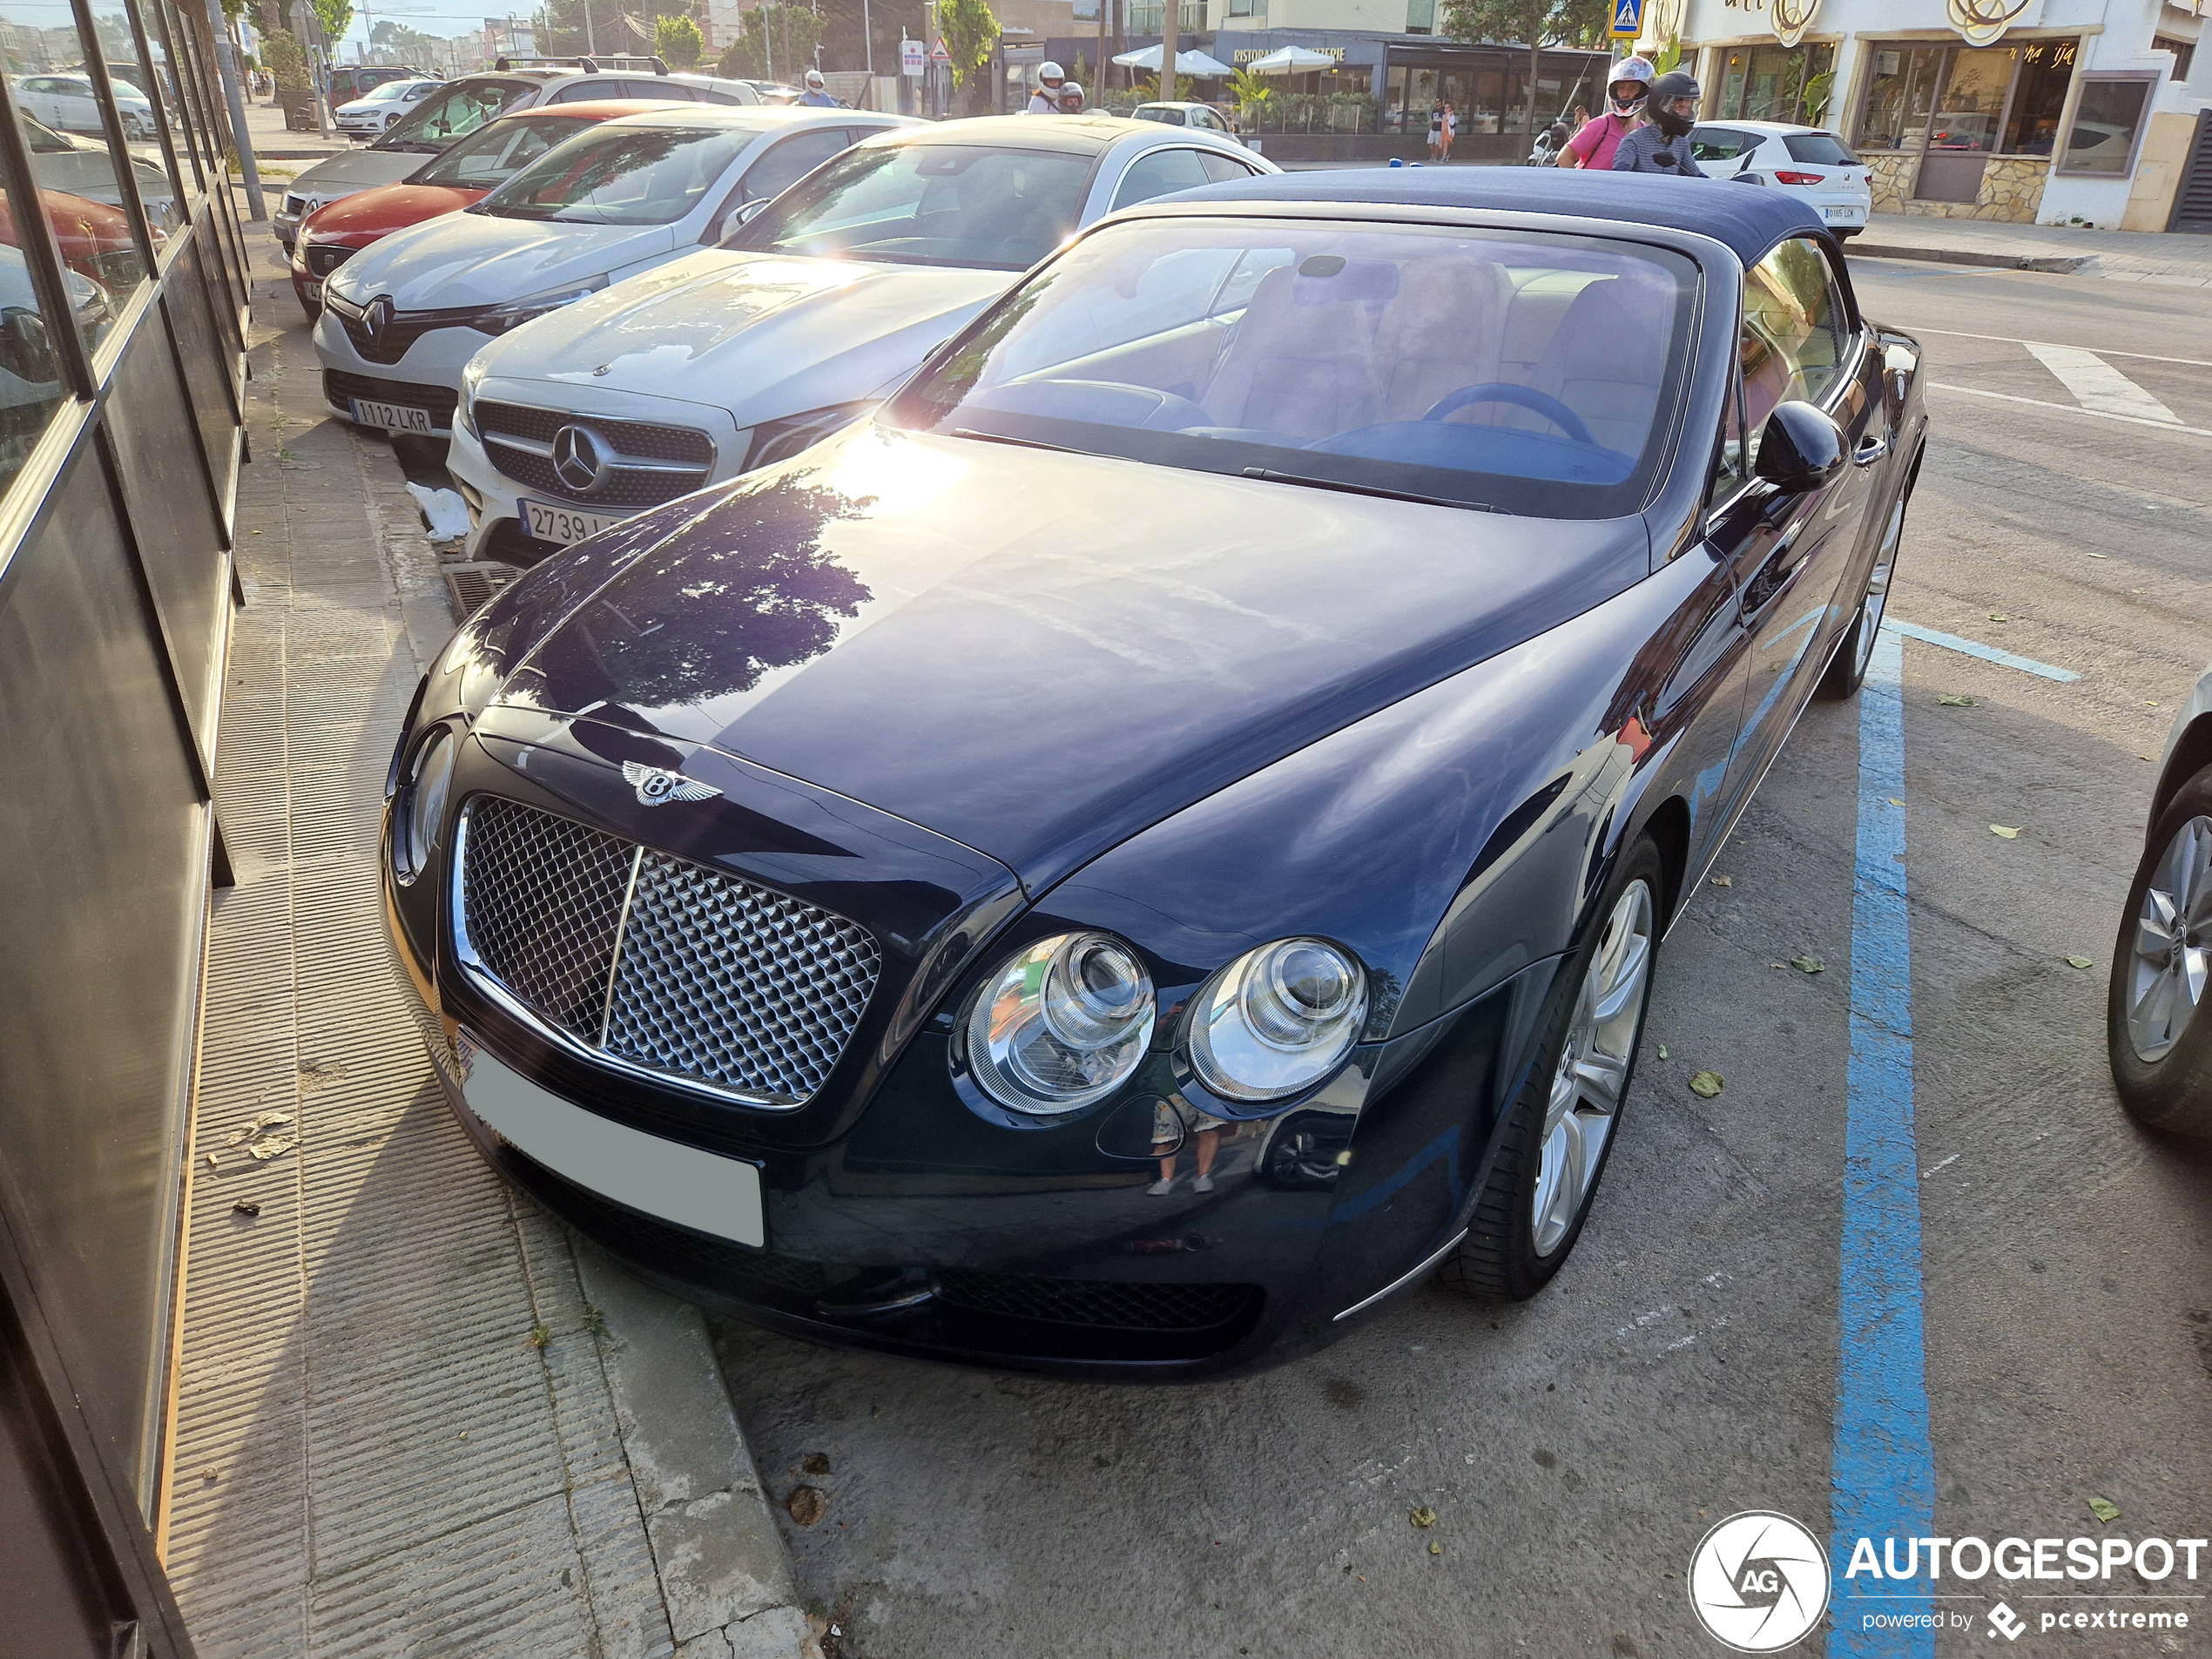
(427, 376)
(919, 1229)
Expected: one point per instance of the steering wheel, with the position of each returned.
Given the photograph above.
(1527, 397)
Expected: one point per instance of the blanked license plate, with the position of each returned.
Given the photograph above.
(393, 417)
(565, 524)
(695, 1189)
(314, 293)
(1845, 214)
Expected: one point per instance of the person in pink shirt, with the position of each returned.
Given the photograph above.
(1594, 144)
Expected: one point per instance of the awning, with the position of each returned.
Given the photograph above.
(1291, 60)
(1193, 62)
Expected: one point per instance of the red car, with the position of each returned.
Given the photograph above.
(93, 239)
(470, 170)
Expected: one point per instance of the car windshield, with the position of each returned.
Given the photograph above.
(1001, 209)
(439, 120)
(1166, 112)
(492, 155)
(385, 92)
(1507, 370)
(622, 175)
(1818, 149)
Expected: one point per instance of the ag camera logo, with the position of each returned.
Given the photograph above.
(1758, 1581)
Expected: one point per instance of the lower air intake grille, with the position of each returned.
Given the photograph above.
(659, 962)
(1097, 1301)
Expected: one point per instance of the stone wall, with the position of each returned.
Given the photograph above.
(2012, 189)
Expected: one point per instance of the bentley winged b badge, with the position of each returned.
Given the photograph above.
(657, 785)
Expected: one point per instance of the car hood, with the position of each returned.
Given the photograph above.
(763, 335)
(1040, 654)
(388, 208)
(356, 170)
(476, 260)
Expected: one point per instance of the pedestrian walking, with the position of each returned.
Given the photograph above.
(1450, 130)
(1436, 130)
(1663, 146)
(1595, 143)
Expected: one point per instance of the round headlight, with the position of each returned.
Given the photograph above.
(1277, 1020)
(1061, 1025)
(422, 805)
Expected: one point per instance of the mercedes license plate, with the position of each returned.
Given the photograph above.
(565, 524)
(393, 417)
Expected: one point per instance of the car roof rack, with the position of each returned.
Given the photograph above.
(589, 65)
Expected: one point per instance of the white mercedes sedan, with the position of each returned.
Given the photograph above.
(810, 312)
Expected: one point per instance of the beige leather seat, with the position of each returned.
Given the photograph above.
(1441, 334)
(1302, 363)
(1609, 360)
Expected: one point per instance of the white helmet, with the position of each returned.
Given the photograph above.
(1639, 73)
(813, 78)
(1051, 74)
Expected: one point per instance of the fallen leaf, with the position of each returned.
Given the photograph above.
(2150, 702)
(2142, 757)
(2078, 961)
(1435, 1549)
(1722, 881)
(246, 1207)
(2009, 834)
(1998, 616)
(1423, 1517)
(2104, 1509)
(1951, 700)
(1893, 800)
(815, 1463)
(1809, 964)
(1707, 1084)
(806, 1505)
(1662, 1051)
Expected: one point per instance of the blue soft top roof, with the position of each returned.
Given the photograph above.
(1749, 219)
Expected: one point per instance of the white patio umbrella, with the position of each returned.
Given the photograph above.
(1193, 63)
(1291, 60)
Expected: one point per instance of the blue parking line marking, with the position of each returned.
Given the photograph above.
(1975, 648)
(1882, 1470)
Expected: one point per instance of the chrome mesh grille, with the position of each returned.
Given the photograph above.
(699, 974)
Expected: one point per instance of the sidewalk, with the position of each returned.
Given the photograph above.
(415, 1416)
(2119, 256)
(271, 143)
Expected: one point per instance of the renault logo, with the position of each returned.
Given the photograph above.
(378, 316)
(579, 459)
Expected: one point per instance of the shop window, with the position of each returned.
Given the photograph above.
(1973, 100)
(1421, 16)
(31, 386)
(2107, 124)
(1899, 98)
(154, 165)
(2047, 68)
(63, 109)
(1777, 83)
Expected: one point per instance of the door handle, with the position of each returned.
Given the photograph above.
(1870, 450)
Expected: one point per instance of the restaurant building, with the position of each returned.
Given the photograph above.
(2049, 111)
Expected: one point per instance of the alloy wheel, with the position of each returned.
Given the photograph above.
(2173, 951)
(1585, 1100)
(1878, 587)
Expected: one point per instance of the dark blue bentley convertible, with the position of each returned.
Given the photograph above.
(1163, 836)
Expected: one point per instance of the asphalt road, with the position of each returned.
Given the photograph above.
(1684, 1365)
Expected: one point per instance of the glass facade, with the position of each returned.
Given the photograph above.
(1966, 100)
(1777, 83)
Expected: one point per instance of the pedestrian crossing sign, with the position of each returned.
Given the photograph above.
(1627, 19)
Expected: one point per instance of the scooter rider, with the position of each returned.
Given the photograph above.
(1046, 99)
(1663, 146)
(1593, 145)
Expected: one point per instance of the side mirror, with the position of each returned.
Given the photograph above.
(1800, 449)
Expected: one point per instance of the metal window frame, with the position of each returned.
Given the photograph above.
(2149, 79)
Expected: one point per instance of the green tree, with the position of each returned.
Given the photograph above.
(561, 32)
(678, 40)
(775, 43)
(1536, 24)
(1249, 92)
(969, 31)
(288, 62)
(335, 17)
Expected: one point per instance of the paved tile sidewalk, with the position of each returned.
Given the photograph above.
(2123, 256)
(415, 1417)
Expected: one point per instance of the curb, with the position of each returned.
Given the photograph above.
(2057, 265)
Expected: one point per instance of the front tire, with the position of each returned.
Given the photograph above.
(2158, 1014)
(1559, 1131)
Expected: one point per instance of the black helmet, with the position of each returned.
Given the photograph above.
(1674, 85)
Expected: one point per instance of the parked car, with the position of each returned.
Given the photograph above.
(833, 891)
(472, 169)
(798, 323)
(68, 103)
(93, 239)
(377, 111)
(1806, 161)
(30, 374)
(2157, 1028)
(346, 85)
(86, 167)
(1202, 117)
(401, 319)
(466, 105)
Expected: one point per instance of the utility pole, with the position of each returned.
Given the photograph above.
(1167, 49)
(590, 45)
(867, 44)
(227, 63)
(1098, 76)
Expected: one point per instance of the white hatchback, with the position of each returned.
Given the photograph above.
(1811, 162)
(382, 107)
